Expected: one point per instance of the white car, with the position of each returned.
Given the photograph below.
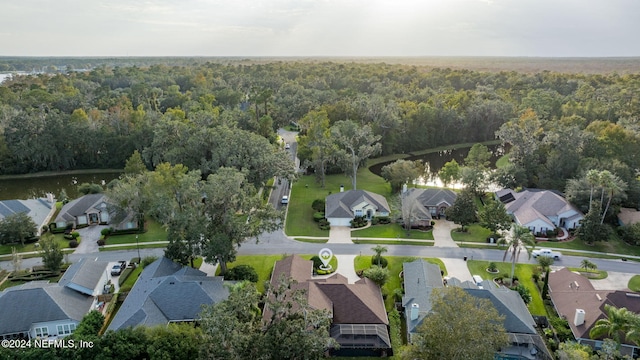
(287, 146)
(285, 200)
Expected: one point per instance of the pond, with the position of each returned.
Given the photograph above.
(38, 185)
(436, 160)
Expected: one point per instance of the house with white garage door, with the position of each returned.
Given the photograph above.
(343, 207)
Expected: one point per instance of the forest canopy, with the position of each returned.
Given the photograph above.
(559, 125)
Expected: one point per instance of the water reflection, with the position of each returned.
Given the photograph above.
(36, 187)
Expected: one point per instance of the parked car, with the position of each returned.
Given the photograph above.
(118, 268)
(287, 146)
(285, 200)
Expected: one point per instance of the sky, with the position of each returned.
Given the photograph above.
(307, 28)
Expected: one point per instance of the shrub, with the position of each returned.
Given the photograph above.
(324, 224)
(31, 239)
(525, 294)
(384, 219)
(492, 267)
(45, 228)
(135, 260)
(318, 205)
(318, 216)
(75, 235)
(69, 237)
(316, 261)
(375, 221)
(73, 244)
(105, 232)
(124, 275)
(433, 222)
(358, 222)
(148, 260)
(242, 272)
(383, 261)
(101, 242)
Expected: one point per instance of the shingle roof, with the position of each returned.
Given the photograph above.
(39, 302)
(537, 204)
(510, 304)
(434, 196)
(166, 292)
(84, 275)
(420, 278)
(79, 206)
(339, 205)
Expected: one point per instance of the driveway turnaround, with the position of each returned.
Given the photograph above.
(442, 233)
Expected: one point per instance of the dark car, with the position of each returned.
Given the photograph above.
(118, 268)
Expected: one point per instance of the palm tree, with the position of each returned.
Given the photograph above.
(593, 179)
(613, 184)
(588, 265)
(519, 237)
(378, 249)
(620, 323)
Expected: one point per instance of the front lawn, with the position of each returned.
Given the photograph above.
(474, 233)
(6, 249)
(523, 272)
(613, 246)
(263, 264)
(305, 190)
(391, 231)
(155, 232)
(634, 283)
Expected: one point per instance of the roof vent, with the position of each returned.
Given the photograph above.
(635, 295)
(599, 297)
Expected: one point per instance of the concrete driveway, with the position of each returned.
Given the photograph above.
(340, 235)
(88, 238)
(614, 281)
(442, 233)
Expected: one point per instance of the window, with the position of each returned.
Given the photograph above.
(358, 212)
(66, 329)
(42, 331)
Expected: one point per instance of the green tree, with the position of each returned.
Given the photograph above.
(90, 325)
(478, 157)
(401, 172)
(619, 324)
(379, 250)
(573, 351)
(51, 253)
(591, 230)
(317, 142)
(494, 217)
(134, 165)
(179, 341)
(463, 210)
(517, 239)
(16, 228)
(460, 326)
(86, 188)
(356, 144)
(377, 274)
(450, 172)
(545, 263)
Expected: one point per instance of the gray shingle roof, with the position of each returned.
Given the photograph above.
(40, 302)
(84, 275)
(420, 278)
(79, 206)
(166, 292)
(433, 196)
(339, 205)
(510, 304)
(537, 204)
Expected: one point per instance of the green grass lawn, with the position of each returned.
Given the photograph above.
(394, 242)
(634, 283)
(133, 247)
(6, 249)
(305, 190)
(155, 232)
(474, 233)
(524, 272)
(131, 280)
(392, 231)
(395, 267)
(615, 246)
(591, 274)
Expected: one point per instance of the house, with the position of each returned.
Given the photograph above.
(39, 210)
(342, 207)
(576, 300)
(420, 278)
(540, 210)
(359, 321)
(167, 292)
(86, 277)
(425, 205)
(40, 309)
(92, 209)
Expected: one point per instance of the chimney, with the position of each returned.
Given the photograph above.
(415, 309)
(341, 188)
(579, 317)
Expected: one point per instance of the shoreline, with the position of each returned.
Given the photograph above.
(43, 174)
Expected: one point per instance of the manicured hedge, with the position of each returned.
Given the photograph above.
(124, 275)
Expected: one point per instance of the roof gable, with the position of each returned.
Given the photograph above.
(340, 205)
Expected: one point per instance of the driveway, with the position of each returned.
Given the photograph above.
(442, 233)
(340, 235)
(614, 281)
(88, 238)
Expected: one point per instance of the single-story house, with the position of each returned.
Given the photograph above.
(39, 210)
(540, 210)
(92, 209)
(86, 277)
(424, 205)
(420, 278)
(40, 309)
(576, 300)
(342, 207)
(359, 321)
(167, 292)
